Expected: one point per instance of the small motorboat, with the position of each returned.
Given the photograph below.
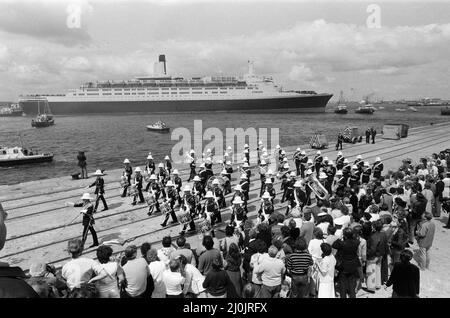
(159, 126)
(341, 107)
(445, 111)
(19, 156)
(14, 110)
(400, 109)
(365, 107)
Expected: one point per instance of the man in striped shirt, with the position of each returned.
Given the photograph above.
(298, 265)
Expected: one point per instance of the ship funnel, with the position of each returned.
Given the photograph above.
(162, 59)
(251, 70)
(159, 68)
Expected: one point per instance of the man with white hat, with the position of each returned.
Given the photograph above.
(88, 218)
(168, 164)
(288, 187)
(162, 175)
(208, 163)
(300, 198)
(347, 168)
(318, 160)
(340, 160)
(238, 212)
(247, 154)
(359, 163)
(262, 175)
(178, 184)
(303, 163)
(296, 158)
(170, 198)
(266, 206)
(212, 209)
(150, 165)
(99, 184)
(205, 175)
(198, 188)
(227, 184)
(192, 166)
(190, 204)
(367, 172)
(128, 171)
(138, 184)
(245, 186)
(354, 177)
(238, 193)
(270, 189)
(377, 168)
(218, 193)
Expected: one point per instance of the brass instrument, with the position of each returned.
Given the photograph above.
(317, 188)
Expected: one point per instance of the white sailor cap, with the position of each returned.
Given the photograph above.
(126, 161)
(293, 174)
(138, 169)
(298, 183)
(237, 200)
(243, 176)
(263, 162)
(166, 158)
(286, 166)
(187, 188)
(308, 172)
(285, 159)
(309, 161)
(266, 195)
(223, 171)
(86, 196)
(228, 162)
(322, 175)
(277, 147)
(238, 187)
(319, 152)
(355, 167)
(358, 157)
(245, 165)
(339, 153)
(366, 164)
(269, 181)
(345, 160)
(298, 149)
(377, 159)
(246, 146)
(303, 152)
(153, 177)
(325, 158)
(269, 172)
(339, 173)
(330, 162)
(209, 194)
(169, 183)
(197, 178)
(215, 181)
(175, 171)
(160, 165)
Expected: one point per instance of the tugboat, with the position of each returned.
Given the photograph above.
(45, 119)
(159, 126)
(366, 107)
(14, 110)
(341, 107)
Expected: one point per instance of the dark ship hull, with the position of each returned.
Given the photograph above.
(302, 103)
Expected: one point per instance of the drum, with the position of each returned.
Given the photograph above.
(222, 181)
(165, 208)
(184, 216)
(132, 190)
(205, 225)
(150, 199)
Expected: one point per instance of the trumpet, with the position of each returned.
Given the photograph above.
(317, 187)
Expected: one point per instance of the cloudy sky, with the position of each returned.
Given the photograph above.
(310, 45)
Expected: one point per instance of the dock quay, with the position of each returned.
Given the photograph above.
(38, 218)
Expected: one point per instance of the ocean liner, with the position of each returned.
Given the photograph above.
(164, 93)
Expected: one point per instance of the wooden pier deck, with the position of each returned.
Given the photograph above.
(38, 216)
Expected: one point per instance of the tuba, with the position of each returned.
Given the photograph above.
(317, 187)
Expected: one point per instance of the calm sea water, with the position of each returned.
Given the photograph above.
(109, 138)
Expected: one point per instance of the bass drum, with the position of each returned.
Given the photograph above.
(221, 179)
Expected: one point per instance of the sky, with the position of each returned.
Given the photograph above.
(326, 46)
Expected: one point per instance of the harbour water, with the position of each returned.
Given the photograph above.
(109, 138)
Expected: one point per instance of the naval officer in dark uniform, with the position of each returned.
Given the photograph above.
(88, 218)
(99, 190)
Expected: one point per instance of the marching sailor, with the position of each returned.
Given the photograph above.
(245, 186)
(99, 184)
(262, 175)
(359, 163)
(170, 198)
(297, 158)
(270, 176)
(270, 189)
(150, 165)
(300, 198)
(88, 218)
(212, 210)
(346, 169)
(340, 161)
(259, 150)
(155, 189)
(339, 183)
(247, 152)
(238, 193)
(208, 164)
(318, 159)
(330, 172)
(303, 163)
(128, 171)
(189, 206)
(138, 184)
(366, 173)
(178, 184)
(354, 177)
(163, 176)
(377, 168)
(308, 189)
(168, 164)
(288, 193)
(193, 173)
(266, 208)
(198, 188)
(309, 165)
(246, 169)
(227, 185)
(218, 193)
(324, 163)
(238, 212)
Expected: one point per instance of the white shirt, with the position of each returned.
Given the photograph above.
(78, 271)
(326, 269)
(314, 248)
(136, 272)
(164, 254)
(157, 268)
(256, 259)
(194, 280)
(345, 220)
(173, 282)
(271, 269)
(110, 281)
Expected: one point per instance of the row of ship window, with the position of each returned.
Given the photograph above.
(150, 93)
(164, 88)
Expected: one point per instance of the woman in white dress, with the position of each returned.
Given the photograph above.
(325, 268)
(157, 269)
